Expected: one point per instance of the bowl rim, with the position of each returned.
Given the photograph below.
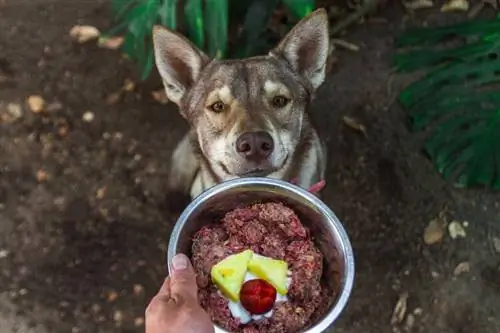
(349, 263)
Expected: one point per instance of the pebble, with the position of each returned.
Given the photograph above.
(139, 321)
(456, 230)
(112, 296)
(463, 267)
(118, 316)
(88, 116)
(138, 289)
(4, 254)
(36, 103)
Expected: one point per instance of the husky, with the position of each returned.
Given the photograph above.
(248, 117)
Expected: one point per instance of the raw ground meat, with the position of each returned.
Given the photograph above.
(272, 230)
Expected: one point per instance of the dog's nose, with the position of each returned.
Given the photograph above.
(255, 145)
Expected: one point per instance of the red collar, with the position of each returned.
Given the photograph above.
(315, 188)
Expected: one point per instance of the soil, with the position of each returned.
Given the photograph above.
(84, 220)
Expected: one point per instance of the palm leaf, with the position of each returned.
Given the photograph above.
(193, 12)
(300, 8)
(457, 103)
(216, 20)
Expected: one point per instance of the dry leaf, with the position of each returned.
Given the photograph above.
(399, 312)
(418, 4)
(496, 244)
(114, 98)
(84, 33)
(36, 103)
(455, 5)
(101, 192)
(128, 85)
(434, 232)
(112, 296)
(456, 230)
(41, 176)
(111, 43)
(160, 96)
(345, 44)
(463, 267)
(354, 124)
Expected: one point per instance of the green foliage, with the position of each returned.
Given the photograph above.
(457, 103)
(205, 22)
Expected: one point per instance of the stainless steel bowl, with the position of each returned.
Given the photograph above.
(326, 229)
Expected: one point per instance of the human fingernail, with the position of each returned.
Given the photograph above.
(180, 261)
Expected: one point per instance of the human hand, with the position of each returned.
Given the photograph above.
(175, 308)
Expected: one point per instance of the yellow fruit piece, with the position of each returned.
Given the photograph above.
(273, 271)
(228, 275)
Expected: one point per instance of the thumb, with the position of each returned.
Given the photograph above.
(183, 280)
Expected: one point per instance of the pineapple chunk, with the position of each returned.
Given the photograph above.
(228, 275)
(273, 271)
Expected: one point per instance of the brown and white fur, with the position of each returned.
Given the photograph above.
(247, 117)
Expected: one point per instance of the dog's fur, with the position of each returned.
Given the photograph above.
(245, 92)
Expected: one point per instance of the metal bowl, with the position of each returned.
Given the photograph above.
(326, 229)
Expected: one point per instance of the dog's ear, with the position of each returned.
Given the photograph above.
(306, 47)
(178, 61)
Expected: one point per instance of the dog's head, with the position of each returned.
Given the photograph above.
(248, 114)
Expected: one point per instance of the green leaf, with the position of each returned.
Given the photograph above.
(216, 23)
(457, 103)
(193, 12)
(168, 14)
(300, 8)
(252, 40)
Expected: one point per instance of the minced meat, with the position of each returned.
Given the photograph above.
(272, 230)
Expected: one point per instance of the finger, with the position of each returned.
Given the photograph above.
(183, 280)
(164, 289)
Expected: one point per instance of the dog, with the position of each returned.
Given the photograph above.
(247, 117)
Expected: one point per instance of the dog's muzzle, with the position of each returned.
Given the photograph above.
(255, 146)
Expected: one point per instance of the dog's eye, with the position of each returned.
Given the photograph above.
(217, 107)
(279, 101)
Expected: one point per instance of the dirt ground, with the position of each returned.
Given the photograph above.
(83, 219)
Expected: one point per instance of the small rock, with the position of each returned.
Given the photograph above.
(23, 291)
(88, 116)
(112, 296)
(456, 230)
(434, 232)
(139, 321)
(410, 321)
(84, 33)
(36, 103)
(418, 311)
(14, 111)
(118, 316)
(463, 267)
(4, 254)
(138, 289)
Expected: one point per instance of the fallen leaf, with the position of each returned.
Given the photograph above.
(139, 321)
(101, 192)
(345, 44)
(456, 230)
(455, 5)
(88, 116)
(418, 4)
(463, 267)
(354, 124)
(114, 98)
(41, 176)
(112, 296)
(128, 85)
(160, 96)
(398, 315)
(496, 244)
(111, 43)
(84, 33)
(36, 103)
(434, 232)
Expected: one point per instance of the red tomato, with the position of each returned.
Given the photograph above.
(257, 296)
